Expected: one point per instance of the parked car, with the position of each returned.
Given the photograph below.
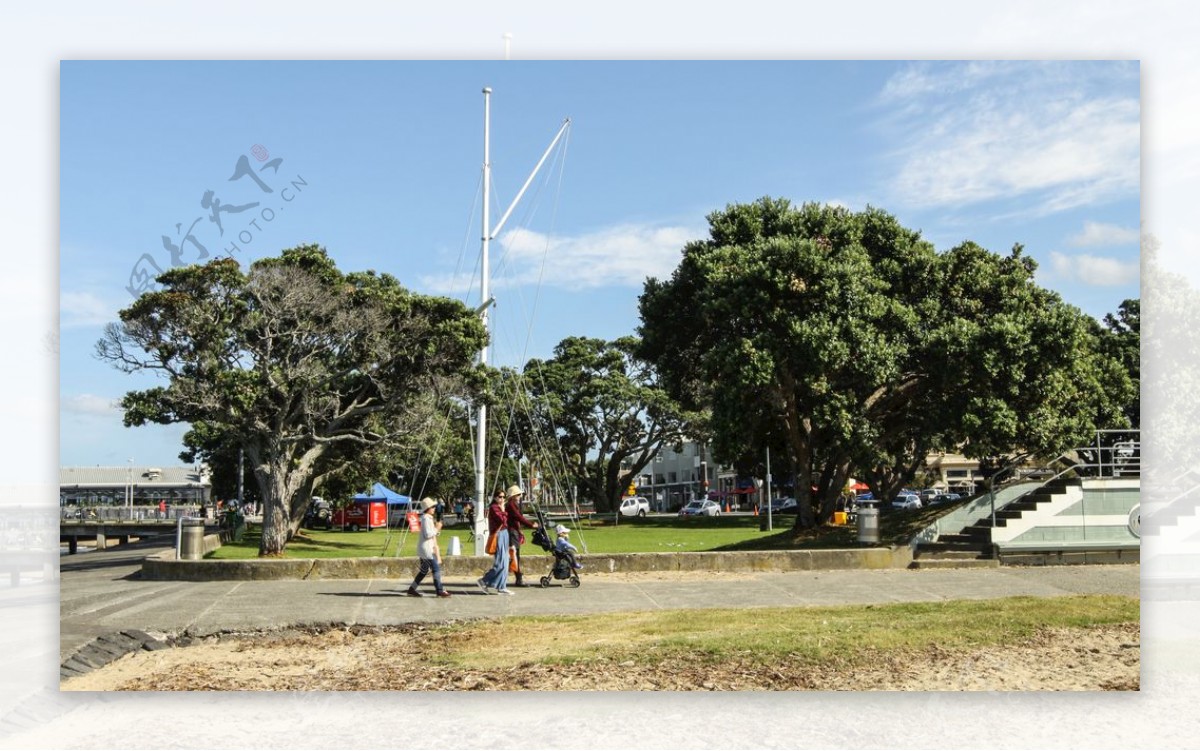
(634, 505)
(941, 498)
(907, 501)
(319, 514)
(783, 505)
(701, 507)
(927, 495)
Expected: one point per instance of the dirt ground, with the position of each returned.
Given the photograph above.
(372, 659)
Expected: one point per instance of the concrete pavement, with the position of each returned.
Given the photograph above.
(102, 593)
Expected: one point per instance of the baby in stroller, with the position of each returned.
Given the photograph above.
(565, 564)
(564, 548)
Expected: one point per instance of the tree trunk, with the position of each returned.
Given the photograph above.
(805, 518)
(833, 481)
(280, 483)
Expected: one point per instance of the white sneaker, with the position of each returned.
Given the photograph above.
(504, 592)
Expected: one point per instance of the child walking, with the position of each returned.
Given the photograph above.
(428, 550)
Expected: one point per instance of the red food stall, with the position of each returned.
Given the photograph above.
(364, 514)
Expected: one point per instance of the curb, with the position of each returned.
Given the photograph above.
(164, 566)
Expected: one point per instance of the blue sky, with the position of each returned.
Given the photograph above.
(381, 162)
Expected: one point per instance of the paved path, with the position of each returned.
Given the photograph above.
(101, 594)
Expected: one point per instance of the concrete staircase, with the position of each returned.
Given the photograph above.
(973, 547)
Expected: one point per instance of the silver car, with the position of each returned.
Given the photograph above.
(701, 507)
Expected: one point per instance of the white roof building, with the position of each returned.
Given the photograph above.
(149, 485)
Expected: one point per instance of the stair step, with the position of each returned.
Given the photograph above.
(943, 545)
(958, 538)
(958, 555)
(940, 563)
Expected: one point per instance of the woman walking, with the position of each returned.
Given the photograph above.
(428, 551)
(495, 581)
(516, 520)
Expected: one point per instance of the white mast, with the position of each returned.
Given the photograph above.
(481, 491)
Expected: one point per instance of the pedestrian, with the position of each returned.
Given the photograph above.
(429, 551)
(162, 509)
(516, 520)
(470, 512)
(564, 546)
(495, 581)
(458, 511)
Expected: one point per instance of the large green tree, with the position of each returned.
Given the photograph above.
(302, 365)
(1122, 339)
(606, 411)
(866, 348)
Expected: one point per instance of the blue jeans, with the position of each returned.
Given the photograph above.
(497, 575)
(427, 565)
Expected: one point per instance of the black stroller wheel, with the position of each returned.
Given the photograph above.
(574, 580)
(545, 581)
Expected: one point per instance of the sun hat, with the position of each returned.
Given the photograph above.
(561, 530)
(427, 503)
(514, 490)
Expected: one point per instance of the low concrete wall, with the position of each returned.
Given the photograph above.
(165, 567)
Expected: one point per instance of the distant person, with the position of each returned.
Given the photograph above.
(458, 511)
(428, 551)
(516, 520)
(495, 581)
(162, 509)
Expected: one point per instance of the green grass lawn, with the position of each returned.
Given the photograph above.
(653, 534)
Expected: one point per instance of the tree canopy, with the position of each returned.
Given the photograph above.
(604, 406)
(302, 365)
(851, 340)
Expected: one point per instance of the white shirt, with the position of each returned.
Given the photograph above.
(427, 548)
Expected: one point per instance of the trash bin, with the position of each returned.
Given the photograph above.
(191, 540)
(868, 524)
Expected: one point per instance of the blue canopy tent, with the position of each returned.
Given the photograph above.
(381, 493)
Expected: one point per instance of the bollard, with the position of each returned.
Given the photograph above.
(868, 524)
(455, 547)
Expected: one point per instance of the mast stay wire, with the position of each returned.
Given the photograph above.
(414, 470)
(505, 266)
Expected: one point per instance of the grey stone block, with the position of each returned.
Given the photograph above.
(139, 636)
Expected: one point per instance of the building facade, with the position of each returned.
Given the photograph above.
(87, 487)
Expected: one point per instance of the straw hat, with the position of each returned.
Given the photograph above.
(515, 491)
(427, 503)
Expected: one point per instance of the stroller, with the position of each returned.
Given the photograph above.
(562, 561)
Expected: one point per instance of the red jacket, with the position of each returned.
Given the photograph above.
(516, 519)
(497, 518)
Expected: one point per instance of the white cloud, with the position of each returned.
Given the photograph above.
(1051, 136)
(1098, 234)
(621, 256)
(90, 404)
(1094, 270)
(84, 309)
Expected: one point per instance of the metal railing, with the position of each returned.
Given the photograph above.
(1121, 458)
(126, 513)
